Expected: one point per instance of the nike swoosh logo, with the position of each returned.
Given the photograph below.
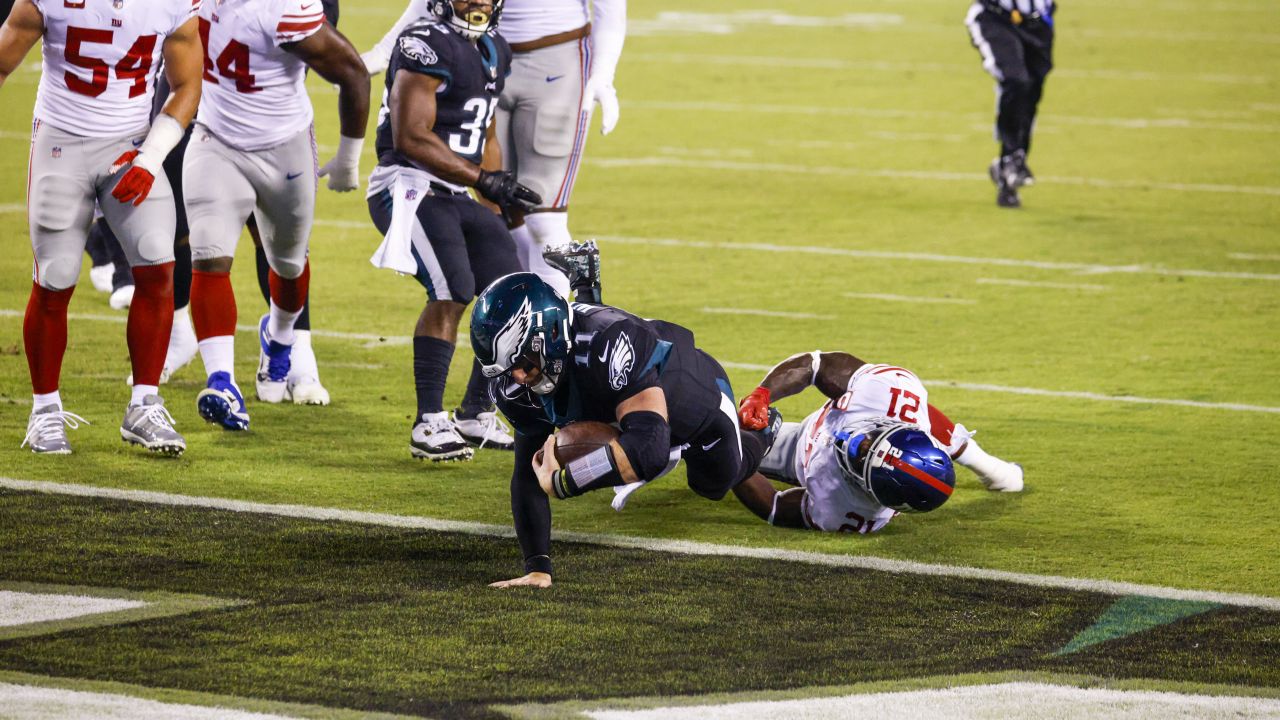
(604, 354)
(307, 7)
(712, 444)
(138, 142)
(553, 78)
(293, 176)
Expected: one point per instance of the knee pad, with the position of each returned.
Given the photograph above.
(56, 273)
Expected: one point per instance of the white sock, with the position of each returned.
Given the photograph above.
(549, 229)
(140, 393)
(219, 355)
(41, 400)
(182, 327)
(976, 459)
(280, 324)
(302, 359)
(526, 246)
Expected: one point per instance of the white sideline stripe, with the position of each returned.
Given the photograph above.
(800, 169)
(13, 208)
(1031, 284)
(1253, 256)
(1000, 700)
(24, 608)
(679, 547)
(27, 702)
(1134, 123)
(1082, 268)
(767, 313)
(353, 224)
(694, 59)
(1073, 394)
(910, 298)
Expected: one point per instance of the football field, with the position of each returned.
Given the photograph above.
(785, 176)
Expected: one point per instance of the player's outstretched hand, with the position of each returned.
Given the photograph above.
(502, 189)
(135, 184)
(533, 579)
(343, 177)
(754, 410)
(599, 90)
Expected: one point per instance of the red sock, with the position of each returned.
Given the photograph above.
(940, 426)
(213, 304)
(44, 334)
(150, 320)
(290, 295)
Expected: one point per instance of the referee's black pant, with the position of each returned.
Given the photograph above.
(1019, 57)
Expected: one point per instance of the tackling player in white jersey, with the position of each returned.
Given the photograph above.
(563, 63)
(93, 141)
(874, 449)
(253, 152)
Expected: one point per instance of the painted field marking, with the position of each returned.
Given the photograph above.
(24, 608)
(837, 170)
(695, 59)
(679, 547)
(1135, 123)
(353, 224)
(1051, 285)
(767, 313)
(910, 298)
(1254, 256)
(7, 208)
(1080, 268)
(27, 702)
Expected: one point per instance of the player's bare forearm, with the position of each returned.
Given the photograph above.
(20, 32)
(492, 161)
(413, 115)
(835, 369)
(183, 67)
(777, 508)
(829, 372)
(334, 58)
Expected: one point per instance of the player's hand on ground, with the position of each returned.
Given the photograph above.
(502, 189)
(533, 579)
(545, 465)
(754, 410)
(135, 184)
(343, 176)
(599, 90)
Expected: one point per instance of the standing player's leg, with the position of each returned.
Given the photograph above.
(60, 200)
(1039, 53)
(492, 254)
(218, 199)
(995, 474)
(998, 42)
(182, 338)
(146, 235)
(303, 385)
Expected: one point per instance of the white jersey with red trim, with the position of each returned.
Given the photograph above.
(99, 62)
(875, 392)
(254, 95)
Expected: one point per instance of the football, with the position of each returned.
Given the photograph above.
(580, 438)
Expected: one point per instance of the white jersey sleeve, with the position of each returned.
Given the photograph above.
(254, 95)
(525, 20)
(886, 391)
(99, 62)
(378, 57)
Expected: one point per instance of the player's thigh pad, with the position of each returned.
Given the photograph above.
(217, 194)
(490, 249)
(440, 248)
(60, 205)
(714, 458)
(145, 231)
(780, 462)
(548, 128)
(285, 180)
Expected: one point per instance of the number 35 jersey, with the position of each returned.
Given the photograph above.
(99, 62)
(874, 392)
(254, 95)
(472, 77)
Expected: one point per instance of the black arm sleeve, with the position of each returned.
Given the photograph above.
(530, 507)
(646, 440)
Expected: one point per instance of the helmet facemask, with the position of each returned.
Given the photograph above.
(471, 22)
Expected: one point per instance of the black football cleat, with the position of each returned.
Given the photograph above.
(1002, 174)
(580, 262)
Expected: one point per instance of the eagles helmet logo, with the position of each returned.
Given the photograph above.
(621, 361)
(509, 340)
(417, 49)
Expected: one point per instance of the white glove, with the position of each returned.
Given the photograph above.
(375, 61)
(600, 90)
(343, 170)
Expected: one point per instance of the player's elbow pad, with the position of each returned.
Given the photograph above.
(646, 444)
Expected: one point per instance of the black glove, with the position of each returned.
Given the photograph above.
(501, 189)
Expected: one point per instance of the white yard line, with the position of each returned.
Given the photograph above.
(1134, 123)
(1031, 284)
(353, 224)
(767, 313)
(837, 170)
(1081, 268)
(26, 702)
(6, 208)
(1254, 256)
(910, 299)
(680, 547)
(24, 608)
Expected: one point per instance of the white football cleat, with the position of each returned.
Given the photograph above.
(121, 299)
(100, 276)
(486, 429)
(434, 438)
(305, 390)
(1002, 476)
(273, 366)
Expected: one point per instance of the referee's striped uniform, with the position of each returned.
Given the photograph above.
(1015, 39)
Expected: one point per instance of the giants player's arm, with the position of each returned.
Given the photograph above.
(413, 115)
(829, 372)
(335, 59)
(776, 508)
(21, 31)
(531, 511)
(183, 68)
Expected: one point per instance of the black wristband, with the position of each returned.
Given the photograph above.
(537, 563)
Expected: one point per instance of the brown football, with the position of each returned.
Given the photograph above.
(580, 438)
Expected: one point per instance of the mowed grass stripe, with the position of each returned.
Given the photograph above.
(681, 547)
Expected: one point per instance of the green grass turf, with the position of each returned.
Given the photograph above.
(392, 620)
(734, 138)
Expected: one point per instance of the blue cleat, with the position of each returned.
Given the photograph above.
(221, 403)
(273, 366)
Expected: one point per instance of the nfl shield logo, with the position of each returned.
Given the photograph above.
(57, 152)
(411, 194)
